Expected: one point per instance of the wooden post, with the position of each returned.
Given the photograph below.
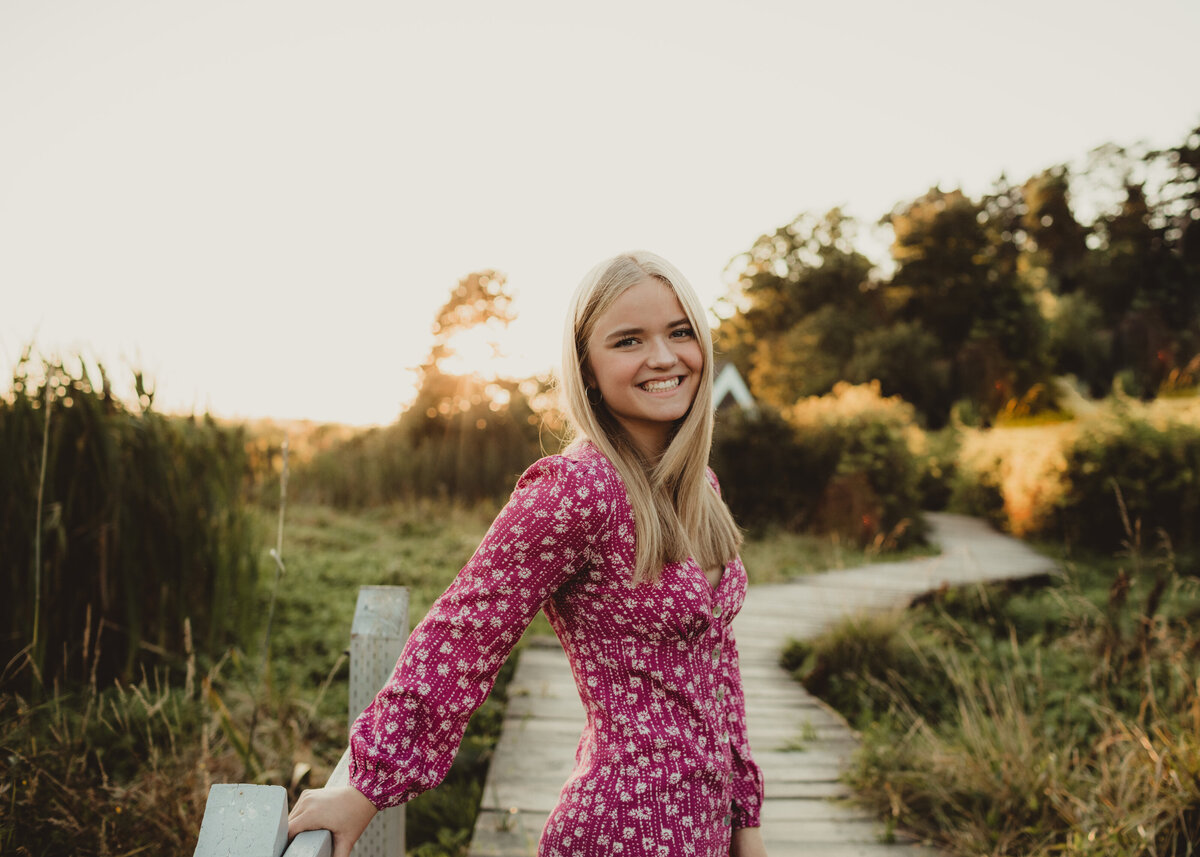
(377, 637)
(243, 820)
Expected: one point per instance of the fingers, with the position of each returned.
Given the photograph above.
(343, 811)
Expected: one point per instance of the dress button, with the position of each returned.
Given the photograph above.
(728, 819)
(717, 609)
(716, 655)
(720, 694)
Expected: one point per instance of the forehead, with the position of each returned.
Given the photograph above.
(646, 303)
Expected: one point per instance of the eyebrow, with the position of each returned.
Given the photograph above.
(637, 331)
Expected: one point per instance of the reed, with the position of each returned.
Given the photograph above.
(137, 521)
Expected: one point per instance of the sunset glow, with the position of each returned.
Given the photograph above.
(226, 195)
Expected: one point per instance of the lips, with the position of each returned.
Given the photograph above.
(661, 385)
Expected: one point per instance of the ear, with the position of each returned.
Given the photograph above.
(589, 380)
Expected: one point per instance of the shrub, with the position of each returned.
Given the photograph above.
(840, 463)
(937, 459)
(1130, 473)
(760, 463)
(1012, 476)
(863, 475)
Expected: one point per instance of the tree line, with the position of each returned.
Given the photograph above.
(984, 301)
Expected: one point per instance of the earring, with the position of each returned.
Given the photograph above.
(594, 400)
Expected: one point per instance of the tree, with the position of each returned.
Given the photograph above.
(800, 296)
(468, 435)
(957, 277)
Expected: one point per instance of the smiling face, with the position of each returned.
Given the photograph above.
(645, 359)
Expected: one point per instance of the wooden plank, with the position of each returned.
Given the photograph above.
(545, 716)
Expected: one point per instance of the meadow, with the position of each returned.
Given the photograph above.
(1055, 716)
(110, 747)
(139, 669)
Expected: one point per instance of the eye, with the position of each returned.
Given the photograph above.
(625, 343)
(683, 333)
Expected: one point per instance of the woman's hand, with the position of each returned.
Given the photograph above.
(344, 811)
(747, 842)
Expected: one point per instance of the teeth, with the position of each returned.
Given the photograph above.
(659, 386)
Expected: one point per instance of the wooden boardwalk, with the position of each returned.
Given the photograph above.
(801, 745)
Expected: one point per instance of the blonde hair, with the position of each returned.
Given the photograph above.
(676, 512)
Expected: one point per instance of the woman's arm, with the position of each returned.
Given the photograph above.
(405, 741)
(746, 842)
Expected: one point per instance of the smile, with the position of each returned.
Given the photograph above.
(661, 386)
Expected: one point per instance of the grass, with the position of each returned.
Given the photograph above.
(125, 768)
(778, 555)
(1061, 718)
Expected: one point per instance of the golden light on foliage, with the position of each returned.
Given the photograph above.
(485, 351)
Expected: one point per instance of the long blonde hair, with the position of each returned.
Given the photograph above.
(675, 510)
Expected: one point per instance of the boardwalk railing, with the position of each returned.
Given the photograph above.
(251, 820)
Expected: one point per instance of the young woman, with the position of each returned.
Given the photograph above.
(625, 543)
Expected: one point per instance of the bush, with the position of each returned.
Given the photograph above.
(760, 463)
(840, 463)
(938, 462)
(863, 475)
(1128, 475)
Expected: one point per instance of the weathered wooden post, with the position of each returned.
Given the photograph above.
(377, 636)
(242, 820)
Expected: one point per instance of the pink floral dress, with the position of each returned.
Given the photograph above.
(663, 766)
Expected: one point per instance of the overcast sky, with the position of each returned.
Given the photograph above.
(262, 203)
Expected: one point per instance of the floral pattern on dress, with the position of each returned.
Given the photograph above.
(663, 766)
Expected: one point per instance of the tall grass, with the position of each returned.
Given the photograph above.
(141, 526)
(1017, 720)
(466, 443)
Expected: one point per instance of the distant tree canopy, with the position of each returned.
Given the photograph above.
(987, 299)
(465, 435)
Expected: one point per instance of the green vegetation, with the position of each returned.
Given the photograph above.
(96, 769)
(1021, 719)
(1089, 480)
(1034, 718)
(842, 464)
(985, 300)
(142, 527)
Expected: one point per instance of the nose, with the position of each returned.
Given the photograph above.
(661, 354)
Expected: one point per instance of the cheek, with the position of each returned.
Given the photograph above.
(610, 371)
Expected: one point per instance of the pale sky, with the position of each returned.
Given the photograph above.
(262, 203)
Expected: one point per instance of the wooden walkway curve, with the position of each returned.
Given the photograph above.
(805, 813)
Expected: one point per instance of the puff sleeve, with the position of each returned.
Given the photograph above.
(404, 742)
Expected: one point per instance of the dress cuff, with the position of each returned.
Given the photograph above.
(746, 812)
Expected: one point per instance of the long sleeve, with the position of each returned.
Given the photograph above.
(404, 742)
(747, 776)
